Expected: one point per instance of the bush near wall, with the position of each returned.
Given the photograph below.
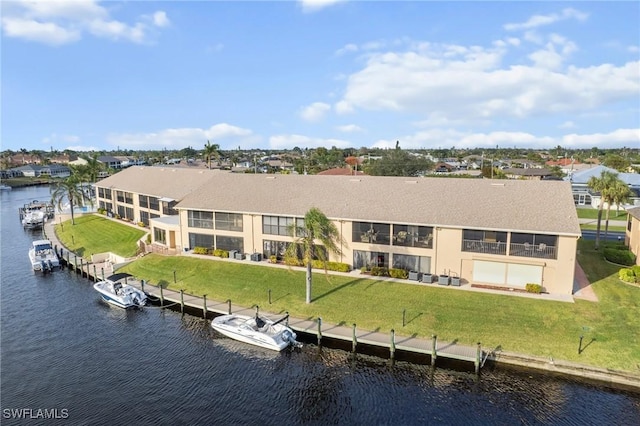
(533, 288)
(221, 253)
(398, 273)
(200, 250)
(619, 256)
(630, 275)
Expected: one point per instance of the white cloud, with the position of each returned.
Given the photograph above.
(315, 112)
(568, 125)
(349, 128)
(62, 22)
(537, 21)
(441, 138)
(309, 6)
(160, 19)
(291, 141)
(223, 134)
(347, 48)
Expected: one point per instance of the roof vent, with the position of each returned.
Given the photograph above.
(497, 184)
(271, 177)
(355, 180)
(410, 181)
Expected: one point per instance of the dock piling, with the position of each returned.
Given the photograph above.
(354, 343)
(204, 306)
(434, 351)
(319, 331)
(161, 296)
(95, 274)
(392, 348)
(478, 358)
(182, 301)
(229, 303)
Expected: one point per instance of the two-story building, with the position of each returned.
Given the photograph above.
(503, 233)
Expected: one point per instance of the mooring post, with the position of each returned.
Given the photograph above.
(354, 343)
(269, 296)
(478, 358)
(182, 301)
(161, 296)
(319, 331)
(68, 260)
(393, 345)
(102, 273)
(434, 352)
(204, 306)
(81, 267)
(404, 316)
(286, 322)
(142, 285)
(229, 303)
(257, 310)
(75, 262)
(95, 274)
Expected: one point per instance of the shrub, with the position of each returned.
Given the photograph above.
(273, 258)
(620, 257)
(200, 250)
(636, 271)
(379, 271)
(364, 269)
(221, 253)
(293, 262)
(533, 288)
(398, 273)
(331, 266)
(141, 224)
(148, 238)
(627, 275)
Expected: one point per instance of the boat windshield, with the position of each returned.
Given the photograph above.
(40, 247)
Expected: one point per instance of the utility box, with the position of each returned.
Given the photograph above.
(256, 257)
(239, 256)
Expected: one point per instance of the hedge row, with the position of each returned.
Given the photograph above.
(630, 275)
(208, 251)
(620, 256)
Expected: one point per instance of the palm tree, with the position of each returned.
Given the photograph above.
(211, 150)
(316, 227)
(93, 167)
(69, 189)
(602, 185)
(617, 194)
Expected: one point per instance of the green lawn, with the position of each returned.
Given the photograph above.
(591, 213)
(93, 234)
(611, 328)
(595, 227)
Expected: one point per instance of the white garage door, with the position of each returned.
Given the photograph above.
(515, 275)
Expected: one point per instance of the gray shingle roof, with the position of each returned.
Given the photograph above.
(532, 206)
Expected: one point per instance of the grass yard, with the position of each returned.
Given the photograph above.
(591, 213)
(611, 327)
(595, 227)
(95, 234)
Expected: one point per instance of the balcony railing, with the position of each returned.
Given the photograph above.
(541, 251)
(486, 247)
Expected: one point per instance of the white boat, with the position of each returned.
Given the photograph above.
(115, 292)
(259, 331)
(43, 257)
(34, 219)
(4, 187)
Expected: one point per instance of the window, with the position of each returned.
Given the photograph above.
(200, 219)
(230, 243)
(104, 193)
(276, 225)
(274, 248)
(481, 241)
(200, 240)
(125, 212)
(160, 235)
(370, 259)
(533, 245)
(229, 221)
(143, 200)
(154, 204)
(412, 263)
(371, 233)
(144, 217)
(413, 236)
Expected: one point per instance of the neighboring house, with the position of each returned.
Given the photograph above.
(527, 173)
(584, 196)
(34, 170)
(120, 162)
(632, 233)
(483, 231)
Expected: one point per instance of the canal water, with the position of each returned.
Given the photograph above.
(67, 358)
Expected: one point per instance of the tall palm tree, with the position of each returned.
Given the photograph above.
(69, 189)
(617, 194)
(602, 185)
(93, 167)
(316, 227)
(211, 150)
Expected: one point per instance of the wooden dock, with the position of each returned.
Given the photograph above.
(363, 341)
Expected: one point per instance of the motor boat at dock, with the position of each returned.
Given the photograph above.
(34, 219)
(43, 257)
(118, 293)
(256, 330)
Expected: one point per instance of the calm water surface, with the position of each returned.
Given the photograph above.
(65, 351)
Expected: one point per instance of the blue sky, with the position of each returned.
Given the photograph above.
(88, 75)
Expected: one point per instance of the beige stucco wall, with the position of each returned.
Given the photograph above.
(632, 237)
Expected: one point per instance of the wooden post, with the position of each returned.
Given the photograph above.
(182, 301)
(478, 358)
(229, 302)
(257, 310)
(319, 331)
(161, 296)
(75, 262)
(81, 267)
(102, 273)
(68, 260)
(286, 322)
(392, 348)
(404, 316)
(204, 306)
(354, 343)
(142, 285)
(434, 351)
(95, 274)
